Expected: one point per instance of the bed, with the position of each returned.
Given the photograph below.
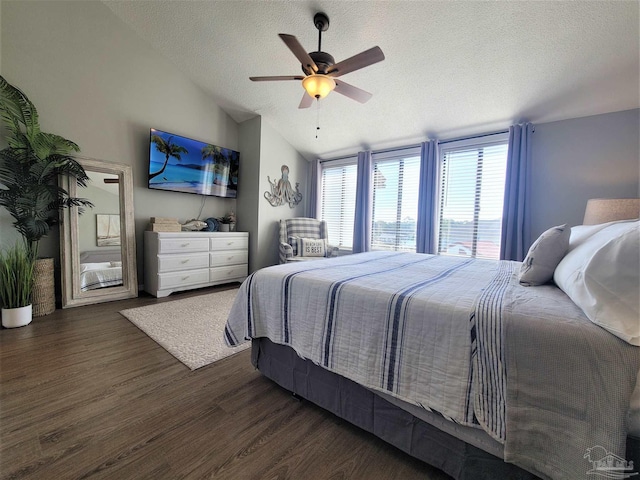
(450, 359)
(100, 269)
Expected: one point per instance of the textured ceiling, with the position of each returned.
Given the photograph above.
(451, 68)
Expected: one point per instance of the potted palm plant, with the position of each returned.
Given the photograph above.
(29, 169)
(16, 283)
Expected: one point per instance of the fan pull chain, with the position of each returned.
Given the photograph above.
(317, 116)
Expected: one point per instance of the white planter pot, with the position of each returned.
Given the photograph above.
(16, 317)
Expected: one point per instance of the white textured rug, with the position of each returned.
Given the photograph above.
(190, 329)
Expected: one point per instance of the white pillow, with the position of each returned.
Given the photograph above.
(312, 247)
(544, 255)
(601, 274)
(580, 233)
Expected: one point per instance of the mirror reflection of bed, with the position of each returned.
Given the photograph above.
(100, 269)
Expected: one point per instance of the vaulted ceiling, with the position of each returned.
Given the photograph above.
(451, 68)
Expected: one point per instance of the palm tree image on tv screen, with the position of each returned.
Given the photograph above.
(181, 164)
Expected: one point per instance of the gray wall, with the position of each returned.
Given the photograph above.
(264, 152)
(249, 189)
(103, 203)
(274, 153)
(97, 83)
(582, 158)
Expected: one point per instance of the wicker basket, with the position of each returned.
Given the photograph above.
(43, 295)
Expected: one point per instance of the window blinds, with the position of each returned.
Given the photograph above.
(472, 182)
(338, 199)
(395, 203)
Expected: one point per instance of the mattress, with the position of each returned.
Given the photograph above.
(424, 329)
(464, 453)
(384, 417)
(100, 275)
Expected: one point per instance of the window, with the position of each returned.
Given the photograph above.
(396, 177)
(470, 206)
(338, 201)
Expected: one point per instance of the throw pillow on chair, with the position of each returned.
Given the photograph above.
(312, 247)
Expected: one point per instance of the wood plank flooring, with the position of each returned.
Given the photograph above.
(85, 394)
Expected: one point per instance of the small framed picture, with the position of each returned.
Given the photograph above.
(107, 230)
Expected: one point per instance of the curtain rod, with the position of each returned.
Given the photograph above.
(473, 136)
(405, 147)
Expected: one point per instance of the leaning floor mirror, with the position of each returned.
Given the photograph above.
(97, 247)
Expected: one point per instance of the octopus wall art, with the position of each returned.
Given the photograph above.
(282, 192)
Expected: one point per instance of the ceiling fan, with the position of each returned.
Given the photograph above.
(321, 70)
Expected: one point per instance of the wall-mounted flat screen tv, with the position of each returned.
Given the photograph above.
(181, 164)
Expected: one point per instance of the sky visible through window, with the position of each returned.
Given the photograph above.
(462, 183)
(395, 204)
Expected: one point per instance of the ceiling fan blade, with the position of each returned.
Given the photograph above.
(299, 51)
(361, 60)
(352, 92)
(270, 79)
(306, 101)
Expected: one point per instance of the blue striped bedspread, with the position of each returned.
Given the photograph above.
(459, 337)
(382, 319)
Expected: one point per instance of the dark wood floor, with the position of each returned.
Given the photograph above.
(85, 394)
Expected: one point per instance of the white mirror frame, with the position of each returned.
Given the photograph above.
(72, 295)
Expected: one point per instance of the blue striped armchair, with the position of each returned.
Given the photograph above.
(296, 240)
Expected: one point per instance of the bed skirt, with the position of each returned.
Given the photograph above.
(363, 408)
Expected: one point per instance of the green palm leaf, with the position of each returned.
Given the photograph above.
(30, 167)
(169, 149)
(17, 109)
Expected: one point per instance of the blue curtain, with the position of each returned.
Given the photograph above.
(313, 201)
(427, 192)
(364, 204)
(515, 214)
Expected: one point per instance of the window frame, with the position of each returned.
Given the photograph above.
(460, 145)
(402, 153)
(338, 163)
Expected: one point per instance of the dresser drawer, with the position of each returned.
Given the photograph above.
(175, 261)
(223, 273)
(228, 257)
(182, 279)
(183, 245)
(231, 242)
(191, 261)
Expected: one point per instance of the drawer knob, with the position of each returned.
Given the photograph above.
(185, 244)
(185, 278)
(185, 261)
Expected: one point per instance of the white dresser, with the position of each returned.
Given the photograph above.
(186, 260)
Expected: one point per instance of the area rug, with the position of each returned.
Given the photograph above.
(190, 329)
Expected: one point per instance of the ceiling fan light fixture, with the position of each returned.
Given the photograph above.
(318, 86)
